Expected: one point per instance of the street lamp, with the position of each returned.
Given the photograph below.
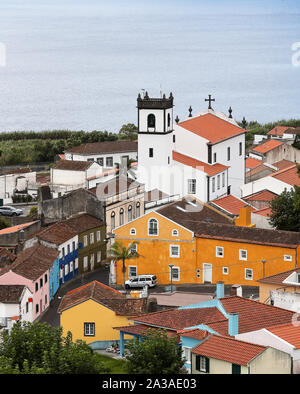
(171, 266)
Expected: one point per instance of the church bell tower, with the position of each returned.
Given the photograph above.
(155, 138)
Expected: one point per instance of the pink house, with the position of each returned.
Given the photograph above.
(31, 268)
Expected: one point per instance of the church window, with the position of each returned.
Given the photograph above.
(153, 227)
(129, 213)
(213, 185)
(150, 152)
(168, 159)
(223, 179)
(215, 157)
(121, 216)
(138, 209)
(218, 182)
(241, 149)
(151, 121)
(174, 138)
(169, 120)
(191, 186)
(112, 220)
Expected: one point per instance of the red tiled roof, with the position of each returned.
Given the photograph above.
(264, 212)
(252, 163)
(229, 349)
(72, 165)
(141, 329)
(278, 130)
(288, 332)
(277, 279)
(15, 228)
(262, 168)
(106, 296)
(267, 146)
(254, 315)
(288, 175)
(11, 293)
(104, 147)
(195, 333)
(282, 164)
(264, 195)
(209, 169)
(211, 127)
(230, 203)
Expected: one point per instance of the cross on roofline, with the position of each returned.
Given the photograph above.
(210, 100)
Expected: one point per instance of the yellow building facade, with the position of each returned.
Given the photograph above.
(224, 254)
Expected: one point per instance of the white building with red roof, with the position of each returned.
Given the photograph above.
(203, 155)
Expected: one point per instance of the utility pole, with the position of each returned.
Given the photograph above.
(264, 262)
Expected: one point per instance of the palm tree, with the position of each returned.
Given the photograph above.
(119, 252)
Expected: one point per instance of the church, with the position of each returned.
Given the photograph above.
(202, 156)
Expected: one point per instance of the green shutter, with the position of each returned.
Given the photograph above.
(207, 364)
(198, 363)
(236, 369)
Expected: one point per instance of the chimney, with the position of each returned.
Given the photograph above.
(233, 324)
(244, 218)
(220, 290)
(236, 290)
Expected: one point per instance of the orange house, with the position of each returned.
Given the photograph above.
(204, 245)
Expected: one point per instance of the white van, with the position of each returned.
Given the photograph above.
(141, 281)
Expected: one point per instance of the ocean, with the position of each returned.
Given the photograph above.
(80, 64)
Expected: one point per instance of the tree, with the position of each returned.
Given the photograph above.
(4, 223)
(39, 348)
(119, 252)
(286, 210)
(155, 354)
(128, 132)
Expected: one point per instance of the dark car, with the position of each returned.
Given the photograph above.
(10, 211)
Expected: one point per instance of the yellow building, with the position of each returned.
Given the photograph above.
(204, 245)
(90, 312)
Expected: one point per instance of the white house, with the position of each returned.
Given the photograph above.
(18, 180)
(15, 305)
(107, 154)
(203, 155)
(276, 182)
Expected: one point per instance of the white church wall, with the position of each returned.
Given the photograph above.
(190, 144)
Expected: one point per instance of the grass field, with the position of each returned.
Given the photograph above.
(115, 366)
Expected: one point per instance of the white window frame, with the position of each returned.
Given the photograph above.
(224, 269)
(288, 257)
(248, 269)
(157, 233)
(133, 231)
(134, 248)
(173, 269)
(203, 368)
(98, 235)
(175, 233)
(171, 253)
(89, 329)
(218, 248)
(76, 264)
(66, 270)
(85, 262)
(92, 238)
(85, 240)
(192, 186)
(99, 256)
(241, 254)
(129, 271)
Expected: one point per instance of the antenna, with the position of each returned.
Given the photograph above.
(160, 90)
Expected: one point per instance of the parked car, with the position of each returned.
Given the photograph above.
(141, 281)
(10, 211)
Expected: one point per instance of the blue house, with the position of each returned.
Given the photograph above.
(53, 279)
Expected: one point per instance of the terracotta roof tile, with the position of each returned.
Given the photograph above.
(24, 170)
(264, 195)
(282, 164)
(259, 169)
(252, 163)
(105, 295)
(230, 203)
(278, 130)
(288, 175)
(11, 293)
(264, 212)
(277, 279)
(267, 146)
(189, 213)
(211, 127)
(104, 147)
(209, 169)
(194, 333)
(228, 349)
(14, 229)
(288, 332)
(72, 165)
(33, 262)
